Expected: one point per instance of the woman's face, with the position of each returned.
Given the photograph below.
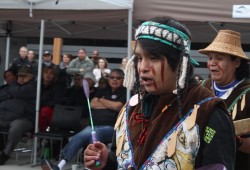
(222, 68)
(155, 73)
(66, 59)
(101, 63)
(124, 61)
(48, 75)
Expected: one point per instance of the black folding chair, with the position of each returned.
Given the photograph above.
(65, 123)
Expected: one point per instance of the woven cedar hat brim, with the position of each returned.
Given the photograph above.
(227, 42)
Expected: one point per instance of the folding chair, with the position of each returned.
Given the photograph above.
(65, 122)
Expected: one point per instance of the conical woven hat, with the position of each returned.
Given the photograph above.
(228, 42)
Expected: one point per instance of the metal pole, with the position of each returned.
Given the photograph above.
(7, 55)
(39, 75)
(130, 12)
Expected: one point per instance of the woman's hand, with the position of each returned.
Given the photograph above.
(94, 152)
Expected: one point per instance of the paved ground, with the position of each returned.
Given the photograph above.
(22, 161)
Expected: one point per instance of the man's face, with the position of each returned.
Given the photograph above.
(81, 54)
(47, 58)
(22, 79)
(31, 55)
(23, 52)
(115, 80)
(95, 54)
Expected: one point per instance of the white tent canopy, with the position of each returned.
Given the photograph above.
(89, 19)
(68, 19)
(67, 4)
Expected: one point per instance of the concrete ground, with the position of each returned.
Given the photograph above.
(21, 159)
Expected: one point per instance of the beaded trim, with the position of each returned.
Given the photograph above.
(163, 33)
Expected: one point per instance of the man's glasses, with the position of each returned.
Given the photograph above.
(115, 78)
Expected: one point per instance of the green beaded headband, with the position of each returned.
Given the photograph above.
(165, 34)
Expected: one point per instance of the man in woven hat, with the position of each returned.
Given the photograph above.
(165, 126)
(229, 70)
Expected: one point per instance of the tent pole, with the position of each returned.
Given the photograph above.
(211, 25)
(39, 75)
(7, 55)
(130, 13)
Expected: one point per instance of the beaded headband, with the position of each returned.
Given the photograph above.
(163, 33)
(166, 35)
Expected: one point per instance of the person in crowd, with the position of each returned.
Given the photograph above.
(105, 108)
(124, 63)
(229, 80)
(64, 79)
(102, 83)
(20, 61)
(47, 60)
(166, 126)
(95, 57)
(34, 63)
(75, 95)
(51, 94)
(81, 64)
(102, 70)
(9, 77)
(17, 110)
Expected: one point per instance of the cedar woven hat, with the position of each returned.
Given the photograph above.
(228, 42)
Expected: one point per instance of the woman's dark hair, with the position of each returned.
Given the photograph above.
(243, 70)
(174, 56)
(118, 71)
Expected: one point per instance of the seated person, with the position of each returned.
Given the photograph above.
(9, 77)
(17, 111)
(64, 79)
(75, 96)
(102, 83)
(105, 109)
(51, 94)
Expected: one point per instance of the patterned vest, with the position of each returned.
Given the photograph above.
(177, 148)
